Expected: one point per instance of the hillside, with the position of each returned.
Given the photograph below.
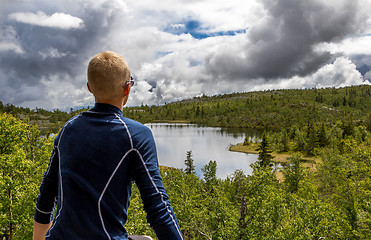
(322, 135)
(269, 110)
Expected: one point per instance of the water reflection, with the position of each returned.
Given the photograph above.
(207, 143)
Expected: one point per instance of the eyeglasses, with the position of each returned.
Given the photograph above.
(131, 82)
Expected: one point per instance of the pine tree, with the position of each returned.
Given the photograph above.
(246, 140)
(285, 141)
(293, 172)
(265, 155)
(190, 167)
(312, 139)
(209, 171)
(322, 138)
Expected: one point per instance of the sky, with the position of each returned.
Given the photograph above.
(179, 49)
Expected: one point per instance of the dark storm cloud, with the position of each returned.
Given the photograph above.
(49, 51)
(282, 44)
(177, 49)
(363, 63)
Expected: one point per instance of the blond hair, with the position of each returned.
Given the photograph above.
(107, 73)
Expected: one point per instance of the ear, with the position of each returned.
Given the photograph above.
(126, 90)
(87, 84)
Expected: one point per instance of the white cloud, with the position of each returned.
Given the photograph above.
(61, 93)
(52, 53)
(341, 73)
(9, 41)
(349, 46)
(177, 26)
(169, 64)
(221, 15)
(56, 20)
(9, 46)
(213, 15)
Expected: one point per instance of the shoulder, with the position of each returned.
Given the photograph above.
(136, 127)
(138, 132)
(65, 126)
(70, 122)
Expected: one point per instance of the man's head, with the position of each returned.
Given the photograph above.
(107, 73)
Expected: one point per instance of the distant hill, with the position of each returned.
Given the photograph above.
(271, 110)
(48, 121)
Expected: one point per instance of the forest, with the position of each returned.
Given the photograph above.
(329, 200)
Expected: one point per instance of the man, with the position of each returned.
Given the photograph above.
(96, 157)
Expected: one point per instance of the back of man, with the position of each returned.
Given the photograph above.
(96, 157)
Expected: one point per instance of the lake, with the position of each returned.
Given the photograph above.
(206, 143)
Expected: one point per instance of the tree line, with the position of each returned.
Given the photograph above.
(272, 110)
(330, 201)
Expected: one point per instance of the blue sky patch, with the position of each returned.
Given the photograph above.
(195, 29)
(162, 54)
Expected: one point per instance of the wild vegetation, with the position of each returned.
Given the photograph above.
(331, 200)
(24, 156)
(267, 110)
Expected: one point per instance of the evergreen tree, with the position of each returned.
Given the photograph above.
(246, 140)
(190, 167)
(322, 138)
(293, 172)
(265, 156)
(209, 171)
(312, 139)
(284, 141)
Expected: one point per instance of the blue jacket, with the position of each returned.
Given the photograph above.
(97, 156)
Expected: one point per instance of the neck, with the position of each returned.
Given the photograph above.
(118, 103)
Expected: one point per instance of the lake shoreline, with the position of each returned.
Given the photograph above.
(278, 157)
(174, 140)
(281, 158)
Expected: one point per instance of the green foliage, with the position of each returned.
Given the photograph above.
(293, 172)
(265, 156)
(246, 141)
(23, 159)
(190, 167)
(345, 179)
(47, 121)
(209, 171)
(269, 110)
(137, 223)
(330, 202)
(201, 214)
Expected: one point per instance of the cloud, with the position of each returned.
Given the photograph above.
(32, 55)
(8, 41)
(350, 46)
(52, 53)
(9, 46)
(283, 43)
(56, 20)
(180, 48)
(368, 76)
(342, 72)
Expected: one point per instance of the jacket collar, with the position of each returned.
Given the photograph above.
(106, 108)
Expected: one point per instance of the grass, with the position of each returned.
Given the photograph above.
(282, 158)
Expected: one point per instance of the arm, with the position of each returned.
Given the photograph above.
(40, 230)
(160, 214)
(47, 196)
